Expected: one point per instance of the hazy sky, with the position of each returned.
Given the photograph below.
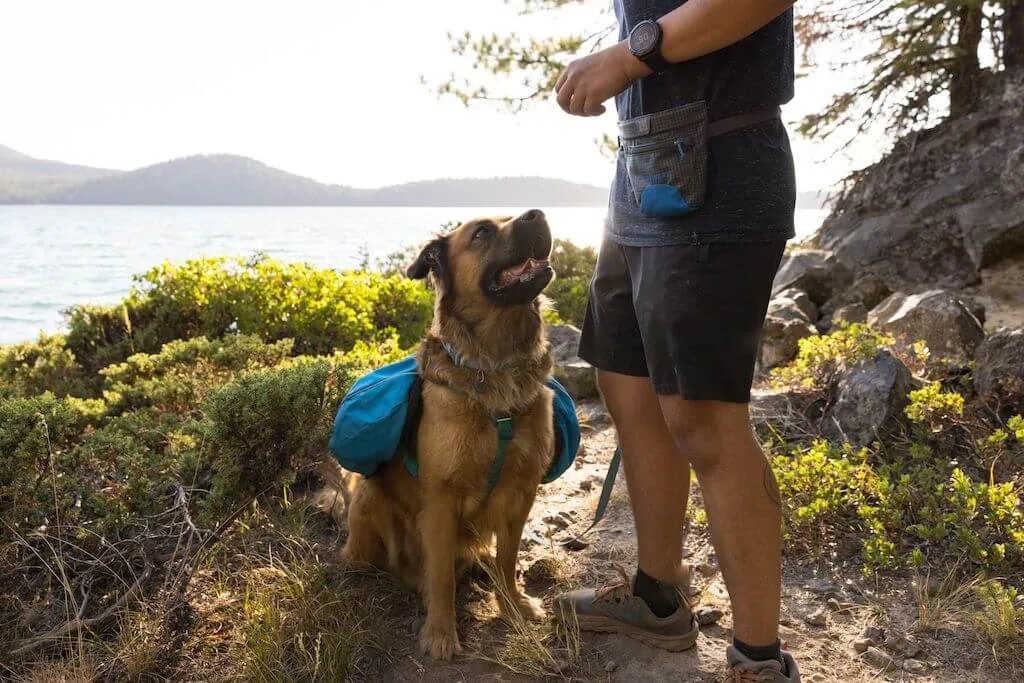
(325, 88)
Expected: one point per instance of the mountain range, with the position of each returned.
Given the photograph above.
(231, 180)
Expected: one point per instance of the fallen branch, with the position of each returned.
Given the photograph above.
(74, 626)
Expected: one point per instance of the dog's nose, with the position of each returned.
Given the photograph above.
(532, 215)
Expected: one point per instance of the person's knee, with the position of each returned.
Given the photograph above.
(709, 433)
(628, 399)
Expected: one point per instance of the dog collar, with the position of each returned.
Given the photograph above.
(462, 361)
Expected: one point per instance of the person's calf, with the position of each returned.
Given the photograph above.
(742, 506)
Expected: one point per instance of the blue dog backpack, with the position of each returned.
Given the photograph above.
(381, 411)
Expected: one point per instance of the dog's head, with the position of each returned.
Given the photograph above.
(489, 262)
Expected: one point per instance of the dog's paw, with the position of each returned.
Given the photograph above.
(527, 607)
(439, 642)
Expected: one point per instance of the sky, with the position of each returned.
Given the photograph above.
(329, 89)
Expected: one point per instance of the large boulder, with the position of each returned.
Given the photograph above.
(871, 397)
(577, 376)
(943, 204)
(780, 339)
(793, 301)
(814, 271)
(999, 364)
(939, 318)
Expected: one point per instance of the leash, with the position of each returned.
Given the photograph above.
(602, 502)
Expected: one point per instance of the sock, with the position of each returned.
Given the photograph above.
(660, 597)
(761, 653)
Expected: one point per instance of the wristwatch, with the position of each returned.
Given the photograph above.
(645, 45)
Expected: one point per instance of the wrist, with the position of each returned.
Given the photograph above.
(631, 65)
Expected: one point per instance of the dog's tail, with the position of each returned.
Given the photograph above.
(335, 497)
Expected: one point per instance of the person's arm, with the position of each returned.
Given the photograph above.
(694, 29)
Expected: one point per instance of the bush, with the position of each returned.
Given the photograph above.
(33, 368)
(820, 358)
(574, 268)
(180, 376)
(36, 435)
(321, 309)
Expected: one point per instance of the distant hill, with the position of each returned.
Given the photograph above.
(26, 179)
(230, 180)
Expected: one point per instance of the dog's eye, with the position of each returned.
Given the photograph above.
(482, 231)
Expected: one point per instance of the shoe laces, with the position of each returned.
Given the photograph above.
(738, 675)
(617, 591)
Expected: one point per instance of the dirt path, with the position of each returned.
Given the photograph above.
(822, 615)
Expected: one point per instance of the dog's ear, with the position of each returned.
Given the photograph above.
(434, 258)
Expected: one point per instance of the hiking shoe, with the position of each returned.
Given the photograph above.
(744, 670)
(614, 609)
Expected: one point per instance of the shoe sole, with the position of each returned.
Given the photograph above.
(600, 624)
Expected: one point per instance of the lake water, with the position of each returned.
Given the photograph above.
(54, 256)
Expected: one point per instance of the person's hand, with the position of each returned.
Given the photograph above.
(589, 81)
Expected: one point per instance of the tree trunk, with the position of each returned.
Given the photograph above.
(1013, 35)
(963, 87)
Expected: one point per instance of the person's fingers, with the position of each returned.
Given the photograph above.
(579, 102)
(565, 95)
(561, 80)
(592, 107)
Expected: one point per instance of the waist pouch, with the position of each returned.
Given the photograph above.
(666, 155)
(379, 415)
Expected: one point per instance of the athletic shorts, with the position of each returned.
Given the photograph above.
(689, 317)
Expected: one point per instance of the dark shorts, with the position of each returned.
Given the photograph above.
(687, 316)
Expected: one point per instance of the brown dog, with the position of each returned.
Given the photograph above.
(488, 275)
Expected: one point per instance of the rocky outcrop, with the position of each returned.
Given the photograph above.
(870, 402)
(999, 365)
(939, 318)
(577, 376)
(780, 340)
(793, 300)
(814, 271)
(943, 205)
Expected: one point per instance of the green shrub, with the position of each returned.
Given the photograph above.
(264, 425)
(36, 434)
(322, 310)
(184, 371)
(821, 357)
(933, 407)
(32, 368)
(574, 268)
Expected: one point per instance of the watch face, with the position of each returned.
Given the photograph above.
(643, 37)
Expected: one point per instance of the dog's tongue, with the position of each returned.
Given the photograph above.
(513, 273)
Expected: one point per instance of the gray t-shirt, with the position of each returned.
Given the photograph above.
(751, 184)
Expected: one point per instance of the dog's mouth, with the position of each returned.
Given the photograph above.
(521, 273)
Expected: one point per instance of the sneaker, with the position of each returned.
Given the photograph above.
(614, 609)
(743, 669)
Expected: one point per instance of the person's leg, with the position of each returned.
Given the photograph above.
(649, 606)
(702, 315)
(742, 504)
(657, 474)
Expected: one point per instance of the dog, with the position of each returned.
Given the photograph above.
(485, 355)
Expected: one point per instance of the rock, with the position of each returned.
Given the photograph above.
(817, 618)
(999, 364)
(780, 340)
(861, 645)
(557, 521)
(794, 298)
(942, 204)
(903, 646)
(877, 658)
(706, 616)
(937, 317)
(914, 666)
(577, 376)
(872, 396)
(851, 313)
(874, 634)
(814, 271)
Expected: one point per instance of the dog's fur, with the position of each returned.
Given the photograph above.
(428, 531)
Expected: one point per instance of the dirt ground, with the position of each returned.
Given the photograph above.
(825, 610)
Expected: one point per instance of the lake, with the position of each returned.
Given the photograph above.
(54, 256)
